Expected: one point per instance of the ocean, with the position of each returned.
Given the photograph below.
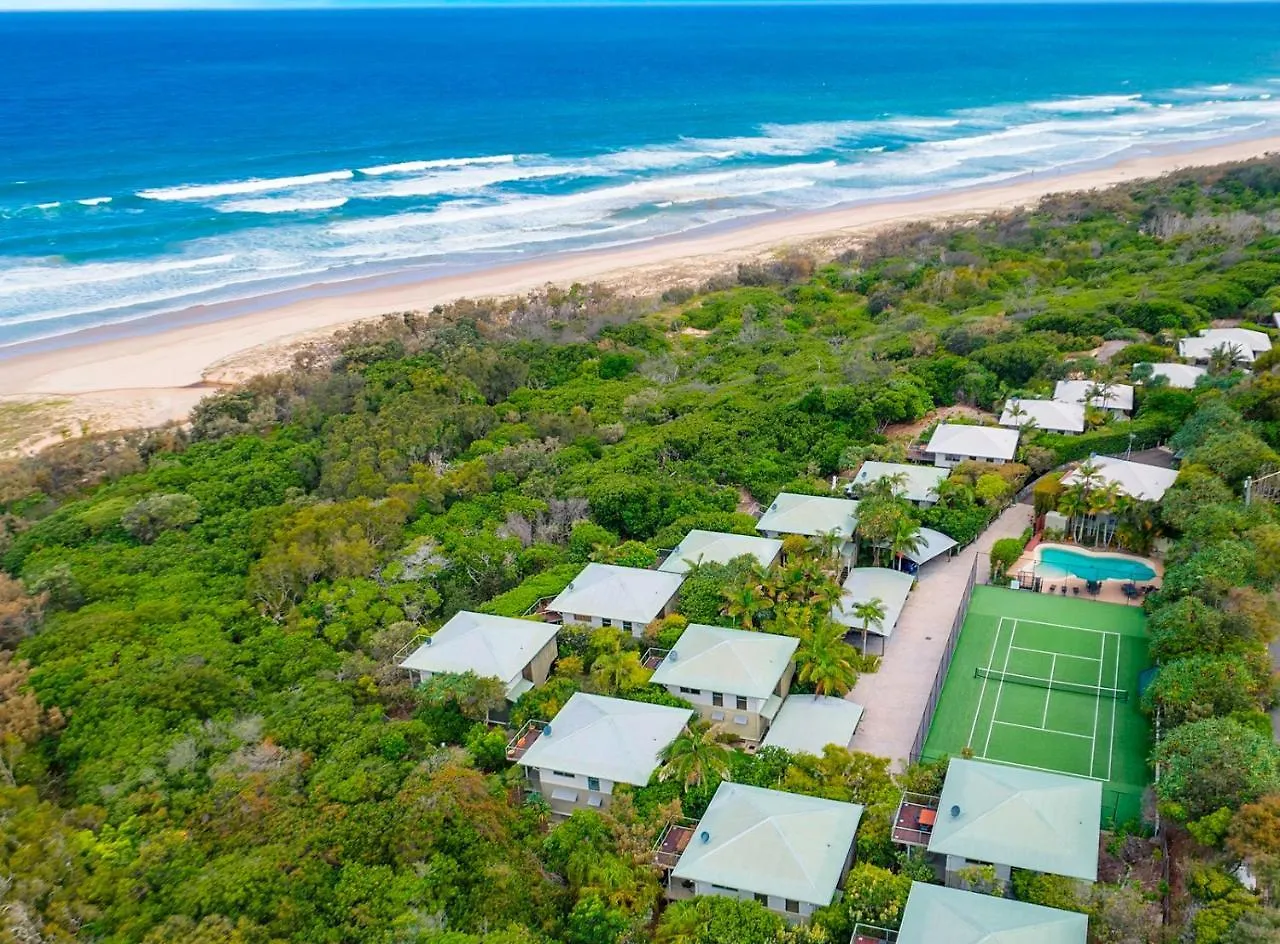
(154, 161)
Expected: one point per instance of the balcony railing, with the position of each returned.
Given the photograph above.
(913, 823)
(519, 745)
(675, 837)
(417, 640)
(870, 934)
(652, 658)
(539, 610)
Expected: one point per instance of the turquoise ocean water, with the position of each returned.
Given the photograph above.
(149, 162)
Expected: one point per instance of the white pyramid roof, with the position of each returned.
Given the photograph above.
(1135, 479)
(920, 481)
(717, 547)
(1183, 376)
(621, 593)
(939, 915)
(734, 661)
(771, 843)
(1051, 415)
(490, 646)
(984, 442)
(810, 515)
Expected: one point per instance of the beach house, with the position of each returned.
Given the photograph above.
(937, 915)
(1112, 397)
(952, 444)
(1180, 376)
(788, 852)
(607, 595)
(917, 484)
(811, 516)
(1244, 344)
(1006, 817)
(717, 547)
(593, 743)
(517, 652)
(736, 679)
(864, 584)
(1053, 416)
(1135, 479)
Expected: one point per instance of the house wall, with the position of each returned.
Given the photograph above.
(746, 723)
(589, 796)
(955, 863)
(772, 902)
(636, 629)
(538, 669)
(950, 460)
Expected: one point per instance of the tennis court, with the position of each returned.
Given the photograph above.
(1051, 684)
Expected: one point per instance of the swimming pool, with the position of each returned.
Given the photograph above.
(1056, 561)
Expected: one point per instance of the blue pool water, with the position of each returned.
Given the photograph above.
(152, 161)
(1063, 562)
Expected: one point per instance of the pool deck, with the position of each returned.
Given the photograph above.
(1112, 590)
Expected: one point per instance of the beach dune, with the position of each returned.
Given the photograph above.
(158, 369)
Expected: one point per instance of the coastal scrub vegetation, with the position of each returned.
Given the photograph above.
(203, 732)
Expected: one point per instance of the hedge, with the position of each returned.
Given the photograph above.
(517, 601)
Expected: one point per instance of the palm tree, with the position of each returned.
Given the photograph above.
(868, 611)
(825, 661)
(1135, 523)
(696, 756)
(617, 669)
(887, 486)
(905, 539)
(826, 544)
(1224, 357)
(1074, 503)
(1101, 503)
(743, 603)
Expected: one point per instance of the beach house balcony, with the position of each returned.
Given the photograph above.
(913, 823)
(672, 841)
(870, 934)
(652, 658)
(524, 739)
(539, 611)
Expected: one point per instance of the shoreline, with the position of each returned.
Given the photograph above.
(193, 351)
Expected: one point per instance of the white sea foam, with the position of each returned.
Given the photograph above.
(254, 185)
(413, 167)
(465, 180)
(280, 205)
(94, 201)
(1090, 103)
(49, 206)
(34, 277)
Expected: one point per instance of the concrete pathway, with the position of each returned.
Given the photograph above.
(895, 697)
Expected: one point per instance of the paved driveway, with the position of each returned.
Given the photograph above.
(895, 697)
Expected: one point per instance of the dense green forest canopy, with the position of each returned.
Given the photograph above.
(203, 732)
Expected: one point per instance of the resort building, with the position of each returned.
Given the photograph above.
(592, 744)
(952, 444)
(517, 652)
(736, 679)
(811, 516)
(1243, 345)
(1135, 479)
(934, 544)
(607, 595)
(716, 547)
(808, 723)
(1053, 416)
(1180, 376)
(788, 852)
(1006, 817)
(918, 484)
(869, 583)
(935, 914)
(1116, 398)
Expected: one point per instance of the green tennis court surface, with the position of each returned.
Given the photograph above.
(1051, 684)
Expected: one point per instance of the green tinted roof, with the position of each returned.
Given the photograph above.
(935, 915)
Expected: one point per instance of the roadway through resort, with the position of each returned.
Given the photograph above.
(896, 695)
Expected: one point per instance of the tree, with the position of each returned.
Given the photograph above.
(1213, 763)
(614, 668)
(743, 604)
(23, 720)
(868, 612)
(1004, 554)
(1205, 686)
(825, 661)
(872, 895)
(20, 612)
(697, 756)
(905, 539)
(716, 919)
(1254, 838)
(155, 514)
(475, 697)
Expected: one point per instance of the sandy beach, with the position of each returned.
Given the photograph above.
(102, 380)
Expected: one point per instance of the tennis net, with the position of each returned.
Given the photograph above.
(1055, 685)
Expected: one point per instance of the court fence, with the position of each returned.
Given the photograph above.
(944, 665)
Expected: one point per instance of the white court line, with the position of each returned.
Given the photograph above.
(1115, 709)
(995, 712)
(1083, 629)
(1097, 705)
(982, 696)
(1044, 718)
(1032, 727)
(1060, 655)
(1047, 770)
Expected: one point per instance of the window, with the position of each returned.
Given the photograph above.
(763, 899)
(717, 699)
(593, 783)
(793, 906)
(953, 458)
(626, 625)
(739, 719)
(690, 691)
(742, 703)
(565, 774)
(717, 716)
(605, 621)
